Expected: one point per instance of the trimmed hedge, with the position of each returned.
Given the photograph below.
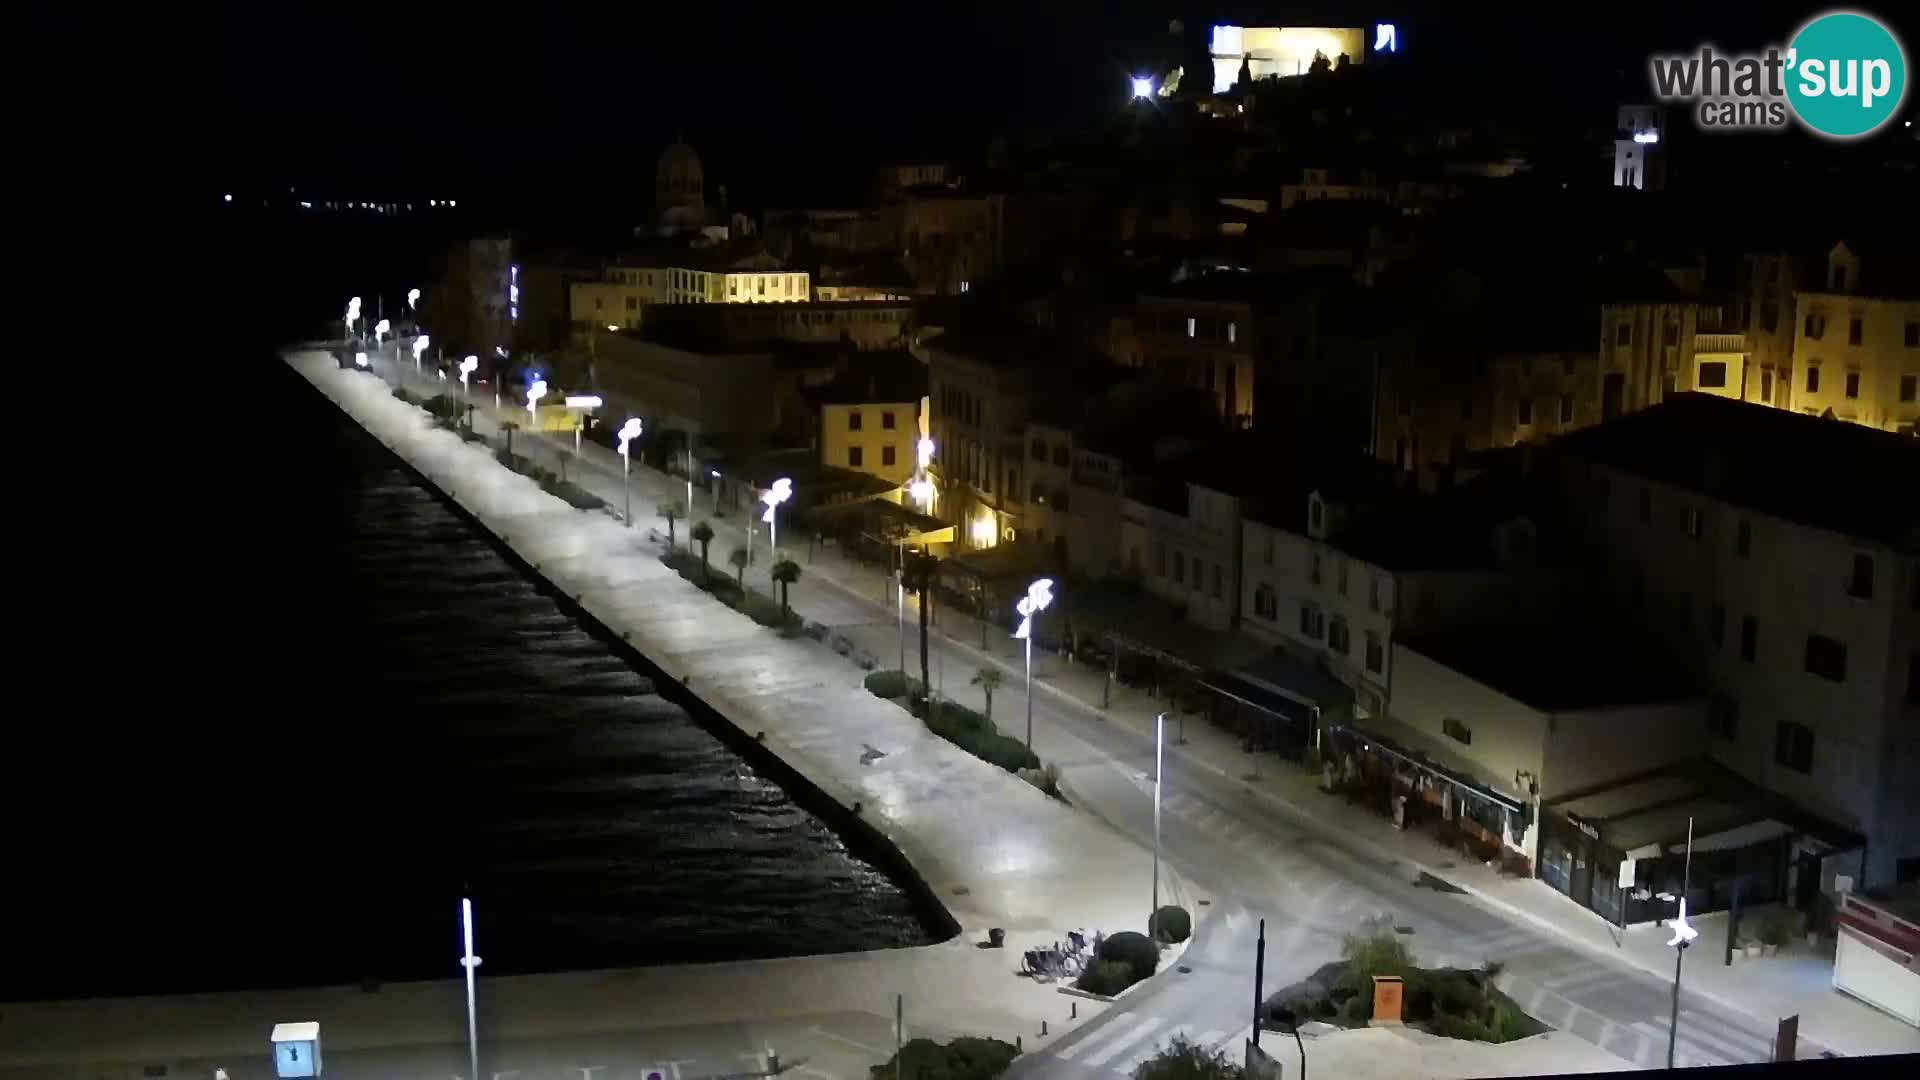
(971, 732)
(1171, 924)
(1134, 950)
(755, 605)
(1106, 977)
(887, 684)
(965, 1058)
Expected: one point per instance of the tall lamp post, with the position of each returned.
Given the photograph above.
(470, 962)
(419, 347)
(780, 492)
(1039, 596)
(629, 431)
(467, 367)
(353, 315)
(689, 477)
(1159, 745)
(380, 330)
(1683, 936)
(922, 487)
(413, 305)
(535, 392)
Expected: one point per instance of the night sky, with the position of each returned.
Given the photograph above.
(582, 98)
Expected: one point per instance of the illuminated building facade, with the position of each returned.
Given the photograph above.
(1856, 345)
(1640, 148)
(1279, 51)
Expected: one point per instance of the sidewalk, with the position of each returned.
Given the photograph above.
(1765, 989)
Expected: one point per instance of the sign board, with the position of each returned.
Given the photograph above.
(1786, 1038)
(1626, 873)
(1387, 990)
(1260, 1064)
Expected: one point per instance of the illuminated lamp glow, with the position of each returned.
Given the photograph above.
(360, 359)
(534, 393)
(1039, 597)
(413, 298)
(1648, 136)
(1226, 41)
(1385, 38)
(582, 401)
(1142, 87)
(924, 450)
(613, 328)
(1683, 934)
(780, 492)
(982, 531)
(229, 198)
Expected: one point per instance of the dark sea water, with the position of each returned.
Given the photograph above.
(321, 707)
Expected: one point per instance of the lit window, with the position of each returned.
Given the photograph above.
(1853, 384)
(1193, 326)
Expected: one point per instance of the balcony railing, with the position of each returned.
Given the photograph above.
(1719, 343)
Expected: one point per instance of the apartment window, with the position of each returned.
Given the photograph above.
(853, 420)
(1860, 582)
(1265, 604)
(1909, 388)
(1039, 450)
(1061, 458)
(1749, 638)
(1793, 746)
(1373, 592)
(633, 303)
(1713, 373)
(886, 419)
(1339, 639)
(1766, 386)
(1218, 578)
(1623, 334)
(1233, 331)
(886, 455)
(1854, 329)
(1566, 408)
(1670, 335)
(1815, 328)
(1313, 568)
(1159, 559)
(1691, 521)
(1376, 653)
(1193, 327)
(1312, 622)
(1340, 576)
(1853, 384)
(1743, 538)
(1456, 730)
(1813, 380)
(1912, 336)
(853, 456)
(1826, 658)
(1313, 514)
(1717, 624)
(1723, 717)
(1646, 504)
(1769, 316)
(1266, 550)
(1525, 409)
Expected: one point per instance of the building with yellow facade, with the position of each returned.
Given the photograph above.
(1856, 340)
(870, 415)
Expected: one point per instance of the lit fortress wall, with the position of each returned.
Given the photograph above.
(1279, 50)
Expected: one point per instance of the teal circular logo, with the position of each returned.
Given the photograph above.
(1846, 74)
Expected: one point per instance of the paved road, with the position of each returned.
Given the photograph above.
(1247, 859)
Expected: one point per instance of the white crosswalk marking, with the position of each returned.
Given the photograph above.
(1112, 1038)
(1710, 1031)
(1132, 1061)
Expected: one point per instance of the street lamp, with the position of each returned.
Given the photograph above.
(419, 346)
(629, 431)
(535, 391)
(714, 475)
(359, 359)
(922, 487)
(780, 492)
(1159, 747)
(1683, 936)
(585, 403)
(1039, 596)
(470, 962)
(413, 300)
(380, 331)
(467, 367)
(353, 314)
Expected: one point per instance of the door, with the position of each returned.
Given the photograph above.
(1613, 390)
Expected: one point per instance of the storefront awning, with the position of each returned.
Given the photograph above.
(1405, 747)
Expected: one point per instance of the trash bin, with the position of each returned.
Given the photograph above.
(996, 937)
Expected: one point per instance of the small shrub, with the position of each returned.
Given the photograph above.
(1134, 950)
(1372, 950)
(962, 1059)
(1357, 1011)
(1106, 977)
(1183, 1059)
(1171, 924)
(887, 684)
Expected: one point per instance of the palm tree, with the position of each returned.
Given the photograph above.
(738, 558)
(785, 573)
(671, 509)
(921, 570)
(702, 534)
(988, 679)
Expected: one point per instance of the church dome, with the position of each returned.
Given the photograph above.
(679, 181)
